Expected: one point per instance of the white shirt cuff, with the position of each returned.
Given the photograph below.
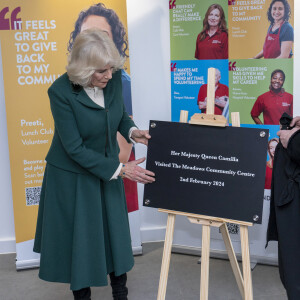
(116, 174)
(130, 133)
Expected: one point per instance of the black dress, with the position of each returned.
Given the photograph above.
(284, 220)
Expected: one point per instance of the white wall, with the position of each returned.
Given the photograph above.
(148, 23)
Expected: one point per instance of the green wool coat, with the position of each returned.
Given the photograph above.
(82, 228)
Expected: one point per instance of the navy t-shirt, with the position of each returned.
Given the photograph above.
(286, 32)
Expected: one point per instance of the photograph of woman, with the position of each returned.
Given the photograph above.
(82, 229)
(99, 16)
(269, 167)
(273, 103)
(212, 41)
(280, 36)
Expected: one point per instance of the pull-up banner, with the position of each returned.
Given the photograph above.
(207, 170)
(35, 40)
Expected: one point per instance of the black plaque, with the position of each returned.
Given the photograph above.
(212, 171)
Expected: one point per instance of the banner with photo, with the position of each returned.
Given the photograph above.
(251, 43)
(204, 34)
(249, 23)
(35, 40)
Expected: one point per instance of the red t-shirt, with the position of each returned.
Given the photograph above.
(212, 47)
(268, 178)
(222, 90)
(273, 105)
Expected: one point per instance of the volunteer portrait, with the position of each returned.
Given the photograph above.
(273, 103)
(212, 41)
(280, 34)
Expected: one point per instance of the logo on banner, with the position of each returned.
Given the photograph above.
(172, 4)
(173, 67)
(10, 21)
(232, 66)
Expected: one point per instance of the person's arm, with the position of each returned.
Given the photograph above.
(295, 122)
(196, 50)
(202, 97)
(125, 148)
(257, 110)
(225, 44)
(125, 124)
(259, 55)
(220, 101)
(132, 171)
(286, 39)
(65, 123)
(286, 48)
(257, 120)
(290, 139)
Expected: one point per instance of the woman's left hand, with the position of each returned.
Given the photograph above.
(141, 136)
(285, 135)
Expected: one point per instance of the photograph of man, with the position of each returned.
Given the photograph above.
(273, 103)
(212, 41)
(280, 36)
(221, 96)
(269, 167)
(98, 16)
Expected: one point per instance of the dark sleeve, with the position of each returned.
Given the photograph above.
(125, 124)
(286, 33)
(293, 148)
(66, 126)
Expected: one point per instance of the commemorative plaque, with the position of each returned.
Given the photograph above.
(206, 170)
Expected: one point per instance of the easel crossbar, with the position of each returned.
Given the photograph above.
(196, 216)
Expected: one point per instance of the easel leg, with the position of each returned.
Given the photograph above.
(232, 258)
(166, 258)
(246, 263)
(205, 262)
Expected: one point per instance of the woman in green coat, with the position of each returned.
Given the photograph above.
(82, 229)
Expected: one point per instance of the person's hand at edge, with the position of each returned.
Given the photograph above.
(141, 136)
(285, 135)
(132, 171)
(295, 122)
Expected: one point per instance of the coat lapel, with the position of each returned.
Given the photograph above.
(83, 98)
(108, 92)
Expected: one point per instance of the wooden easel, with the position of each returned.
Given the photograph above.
(244, 282)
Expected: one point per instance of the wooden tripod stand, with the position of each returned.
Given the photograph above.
(244, 282)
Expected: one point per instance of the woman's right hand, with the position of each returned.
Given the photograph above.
(132, 171)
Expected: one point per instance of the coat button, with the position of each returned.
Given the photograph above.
(106, 110)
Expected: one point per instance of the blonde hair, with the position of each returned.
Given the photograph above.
(93, 49)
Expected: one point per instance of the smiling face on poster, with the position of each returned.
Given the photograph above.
(261, 90)
(263, 29)
(189, 87)
(34, 45)
(199, 29)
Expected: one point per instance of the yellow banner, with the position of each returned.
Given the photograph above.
(248, 23)
(34, 36)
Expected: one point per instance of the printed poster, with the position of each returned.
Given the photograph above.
(259, 36)
(35, 36)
